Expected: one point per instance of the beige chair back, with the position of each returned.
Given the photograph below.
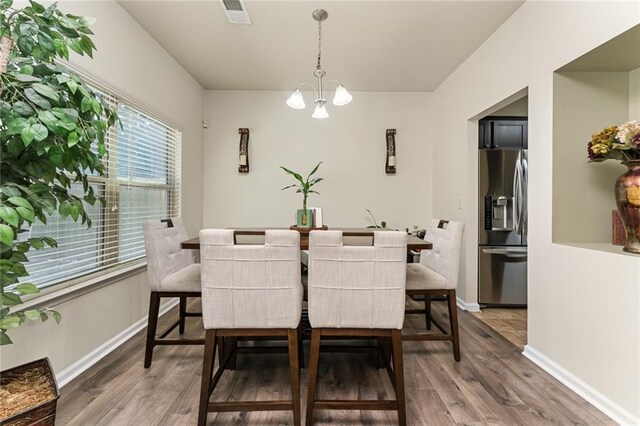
(162, 240)
(444, 258)
(357, 286)
(250, 286)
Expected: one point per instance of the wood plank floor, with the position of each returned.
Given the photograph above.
(493, 384)
(510, 323)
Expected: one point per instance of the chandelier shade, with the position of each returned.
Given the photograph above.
(320, 112)
(341, 96)
(296, 101)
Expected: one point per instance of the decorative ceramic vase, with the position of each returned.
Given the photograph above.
(304, 218)
(628, 201)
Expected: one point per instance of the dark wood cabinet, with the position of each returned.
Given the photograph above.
(503, 132)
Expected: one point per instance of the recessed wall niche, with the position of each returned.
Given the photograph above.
(599, 89)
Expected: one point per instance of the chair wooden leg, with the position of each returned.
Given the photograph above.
(295, 374)
(183, 310)
(221, 350)
(300, 346)
(231, 344)
(398, 368)
(207, 372)
(314, 354)
(453, 323)
(427, 310)
(381, 361)
(154, 307)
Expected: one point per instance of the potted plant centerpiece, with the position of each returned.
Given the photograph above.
(304, 217)
(52, 137)
(622, 143)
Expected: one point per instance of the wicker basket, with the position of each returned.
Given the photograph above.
(43, 414)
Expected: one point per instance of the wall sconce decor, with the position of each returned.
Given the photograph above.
(390, 166)
(244, 150)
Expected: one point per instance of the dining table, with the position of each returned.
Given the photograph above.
(351, 236)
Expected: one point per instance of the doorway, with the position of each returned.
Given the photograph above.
(502, 220)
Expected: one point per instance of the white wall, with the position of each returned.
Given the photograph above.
(583, 304)
(351, 144)
(135, 65)
(634, 94)
(519, 108)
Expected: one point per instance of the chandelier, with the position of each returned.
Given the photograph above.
(341, 97)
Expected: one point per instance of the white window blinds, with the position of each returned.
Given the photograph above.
(141, 182)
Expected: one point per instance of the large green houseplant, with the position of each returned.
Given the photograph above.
(52, 137)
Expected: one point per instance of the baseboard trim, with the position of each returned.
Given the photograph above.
(471, 307)
(595, 398)
(84, 363)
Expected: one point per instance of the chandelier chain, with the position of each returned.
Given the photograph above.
(318, 66)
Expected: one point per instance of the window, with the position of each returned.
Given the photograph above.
(141, 182)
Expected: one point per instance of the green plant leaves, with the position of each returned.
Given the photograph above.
(5, 4)
(10, 216)
(10, 299)
(27, 288)
(10, 321)
(53, 129)
(85, 104)
(34, 97)
(4, 339)
(6, 234)
(46, 91)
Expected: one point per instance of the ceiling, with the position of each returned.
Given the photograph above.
(368, 45)
(618, 54)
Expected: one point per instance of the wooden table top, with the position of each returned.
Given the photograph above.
(352, 236)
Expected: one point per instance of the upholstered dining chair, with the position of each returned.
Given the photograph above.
(249, 290)
(357, 291)
(437, 275)
(171, 272)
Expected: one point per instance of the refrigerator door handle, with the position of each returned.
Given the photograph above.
(517, 174)
(513, 253)
(524, 194)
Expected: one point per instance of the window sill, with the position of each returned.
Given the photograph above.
(56, 296)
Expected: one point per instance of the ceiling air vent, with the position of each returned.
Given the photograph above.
(236, 11)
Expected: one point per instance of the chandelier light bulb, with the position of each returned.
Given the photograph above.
(320, 112)
(342, 96)
(296, 101)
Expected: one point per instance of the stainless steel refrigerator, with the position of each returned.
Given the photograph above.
(502, 251)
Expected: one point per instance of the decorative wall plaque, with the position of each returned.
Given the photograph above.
(244, 150)
(390, 166)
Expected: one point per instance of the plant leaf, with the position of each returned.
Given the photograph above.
(9, 215)
(26, 214)
(20, 202)
(32, 314)
(10, 299)
(27, 134)
(40, 132)
(27, 288)
(315, 169)
(4, 339)
(10, 321)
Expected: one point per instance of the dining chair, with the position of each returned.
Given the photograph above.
(437, 275)
(249, 291)
(171, 272)
(357, 291)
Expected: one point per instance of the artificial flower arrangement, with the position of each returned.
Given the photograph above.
(616, 143)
